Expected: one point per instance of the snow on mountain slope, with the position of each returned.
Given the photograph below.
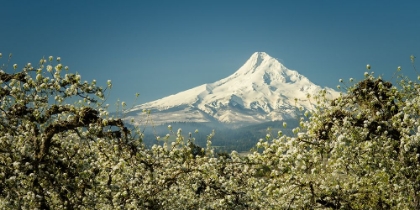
(261, 90)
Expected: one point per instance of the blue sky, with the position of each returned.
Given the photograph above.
(158, 48)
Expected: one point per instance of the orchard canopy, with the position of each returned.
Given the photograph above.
(61, 149)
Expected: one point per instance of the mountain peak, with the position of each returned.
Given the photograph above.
(258, 57)
(259, 61)
(261, 55)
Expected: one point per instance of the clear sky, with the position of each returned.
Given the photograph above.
(158, 48)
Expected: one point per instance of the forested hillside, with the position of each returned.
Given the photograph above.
(225, 139)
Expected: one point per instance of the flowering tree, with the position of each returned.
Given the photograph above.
(42, 138)
(360, 151)
(60, 149)
(54, 154)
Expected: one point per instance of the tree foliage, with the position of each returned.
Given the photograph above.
(60, 149)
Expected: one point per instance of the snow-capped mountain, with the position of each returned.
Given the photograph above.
(261, 90)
